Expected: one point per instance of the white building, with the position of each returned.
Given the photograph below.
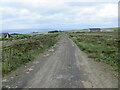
(4, 35)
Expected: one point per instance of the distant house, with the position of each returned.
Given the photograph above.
(4, 35)
(94, 29)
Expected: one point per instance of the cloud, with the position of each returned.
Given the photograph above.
(58, 13)
(109, 11)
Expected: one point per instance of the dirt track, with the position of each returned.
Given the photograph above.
(63, 66)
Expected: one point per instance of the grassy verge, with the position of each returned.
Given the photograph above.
(17, 54)
(100, 46)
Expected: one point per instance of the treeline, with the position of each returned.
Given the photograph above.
(56, 31)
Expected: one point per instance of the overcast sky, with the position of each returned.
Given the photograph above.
(58, 14)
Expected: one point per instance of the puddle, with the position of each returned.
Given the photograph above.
(4, 80)
(45, 55)
(15, 87)
(64, 77)
(32, 66)
(27, 72)
(82, 64)
(51, 50)
(11, 77)
(60, 77)
(8, 87)
(29, 69)
(88, 71)
(87, 84)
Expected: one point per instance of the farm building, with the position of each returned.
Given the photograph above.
(94, 29)
(4, 35)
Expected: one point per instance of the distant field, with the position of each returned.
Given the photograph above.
(86, 30)
(102, 46)
(110, 29)
(21, 36)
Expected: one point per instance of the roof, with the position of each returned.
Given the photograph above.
(94, 28)
(4, 33)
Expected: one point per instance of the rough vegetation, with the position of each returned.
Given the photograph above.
(17, 54)
(100, 46)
